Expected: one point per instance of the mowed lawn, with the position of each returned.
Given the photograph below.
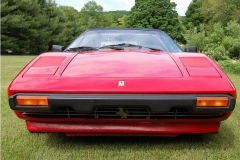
(18, 143)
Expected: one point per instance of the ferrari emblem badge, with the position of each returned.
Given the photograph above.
(122, 113)
(121, 83)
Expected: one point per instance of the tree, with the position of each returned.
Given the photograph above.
(157, 15)
(193, 15)
(220, 11)
(121, 13)
(29, 26)
(93, 16)
(70, 21)
(23, 27)
(54, 26)
(117, 18)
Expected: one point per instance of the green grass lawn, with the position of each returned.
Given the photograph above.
(18, 143)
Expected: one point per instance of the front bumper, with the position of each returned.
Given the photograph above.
(157, 103)
(124, 129)
(159, 122)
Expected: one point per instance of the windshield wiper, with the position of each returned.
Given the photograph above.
(133, 45)
(116, 47)
(155, 49)
(81, 49)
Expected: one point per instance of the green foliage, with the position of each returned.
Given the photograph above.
(69, 25)
(232, 40)
(155, 14)
(217, 34)
(22, 27)
(216, 52)
(193, 15)
(195, 38)
(232, 45)
(30, 26)
(221, 11)
(233, 29)
(219, 37)
(232, 66)
(219, 43)
(93, 16)
(120, 13)
(33, 26)
(209, 12)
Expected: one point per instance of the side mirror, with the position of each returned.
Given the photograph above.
(57, 48)
(190, 49)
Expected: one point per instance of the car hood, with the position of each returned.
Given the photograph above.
(122, 64)
(141, 71)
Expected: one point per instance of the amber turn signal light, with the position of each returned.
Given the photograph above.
(212, 101)
(32, 100)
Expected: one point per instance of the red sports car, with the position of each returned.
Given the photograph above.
(122, 82)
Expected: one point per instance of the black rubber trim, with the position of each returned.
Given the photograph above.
(156, 102)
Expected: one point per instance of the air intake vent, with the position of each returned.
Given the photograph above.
(199, 67)
(122, 113)
(45, 66)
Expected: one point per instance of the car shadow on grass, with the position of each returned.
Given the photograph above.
(224, 139)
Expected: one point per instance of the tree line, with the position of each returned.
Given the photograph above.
(214, 27)
(32, 26)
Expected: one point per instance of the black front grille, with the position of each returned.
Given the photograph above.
(123, 113)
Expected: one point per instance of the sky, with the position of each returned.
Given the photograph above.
(112, 5)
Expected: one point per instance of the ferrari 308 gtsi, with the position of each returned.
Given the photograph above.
(122, 82)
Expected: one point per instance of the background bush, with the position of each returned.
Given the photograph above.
(220, 43)
(232, 66)
(33, 26)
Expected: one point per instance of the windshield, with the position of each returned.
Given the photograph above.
(149, 39)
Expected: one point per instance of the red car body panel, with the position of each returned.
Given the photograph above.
(121, 64)
(177, 80)
(143, 71)
(122, 127)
